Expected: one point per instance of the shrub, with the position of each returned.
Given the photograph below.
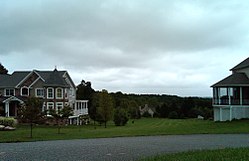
(8, 121)
(120, 117)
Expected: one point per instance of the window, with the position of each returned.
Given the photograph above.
(50, 105)
(50, 92)
(9, 92)
(59, 93)
(39, 92)
(59, 106)
(24, 91)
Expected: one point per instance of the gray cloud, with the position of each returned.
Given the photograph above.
(134, 46)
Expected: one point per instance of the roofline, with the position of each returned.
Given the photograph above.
(236, 67)
(23, 79)
(31, 72)
(230, 85)
(69, 78)
(21, 101)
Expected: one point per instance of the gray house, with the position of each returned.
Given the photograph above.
(231, 95)
(55, 88)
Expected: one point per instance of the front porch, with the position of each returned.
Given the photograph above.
(79, 111)
(10, 106)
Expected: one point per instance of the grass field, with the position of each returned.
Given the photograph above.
(141, 127)
(229, 154)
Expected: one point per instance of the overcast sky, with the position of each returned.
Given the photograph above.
(133, 46)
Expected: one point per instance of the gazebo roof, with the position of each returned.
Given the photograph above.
(236, 79)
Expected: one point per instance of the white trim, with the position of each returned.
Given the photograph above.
(51, 103)
(38, 75)
(28, 76)
(59, 104)
(35, 81)
(24, 79)
(24, 87)
(14, 93)
(56, 93)
(52, 93)
(40, 89)
(69, 80)
(12, 98)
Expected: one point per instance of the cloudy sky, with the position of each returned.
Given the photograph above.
(133, 46)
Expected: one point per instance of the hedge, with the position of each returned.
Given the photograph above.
(8, 121)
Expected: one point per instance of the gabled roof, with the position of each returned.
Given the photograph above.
(12, 80)
(236, 79)
(243, 64)
(55, 79)
(50, 78)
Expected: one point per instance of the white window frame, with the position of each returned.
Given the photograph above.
(59, 97)
(50, 104)
(25, 87)
(36, 92)
(8, 89)
(52, 93)
(59, 104)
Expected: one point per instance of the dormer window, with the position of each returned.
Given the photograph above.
(24, 91)
(9, 92)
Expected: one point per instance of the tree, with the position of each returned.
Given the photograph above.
(31, 112)
(86, 92)
(105, 106)
(120, 117)
(61, 115)
(3, 70)
(133, 110)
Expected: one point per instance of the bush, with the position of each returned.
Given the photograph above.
(120, 117)
(173, 115)
(8, 121)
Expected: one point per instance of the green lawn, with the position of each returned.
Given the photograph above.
(141, 127)
(229, 154)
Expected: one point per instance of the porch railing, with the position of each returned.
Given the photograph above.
(225, 101)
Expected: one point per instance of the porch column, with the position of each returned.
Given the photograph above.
(241, 96)
(229, 95)
(231, 113)
(7, 109)
(219, 95)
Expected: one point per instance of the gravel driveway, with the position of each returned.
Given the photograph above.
(123, 148)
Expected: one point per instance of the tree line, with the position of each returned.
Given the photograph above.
(124, 106)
